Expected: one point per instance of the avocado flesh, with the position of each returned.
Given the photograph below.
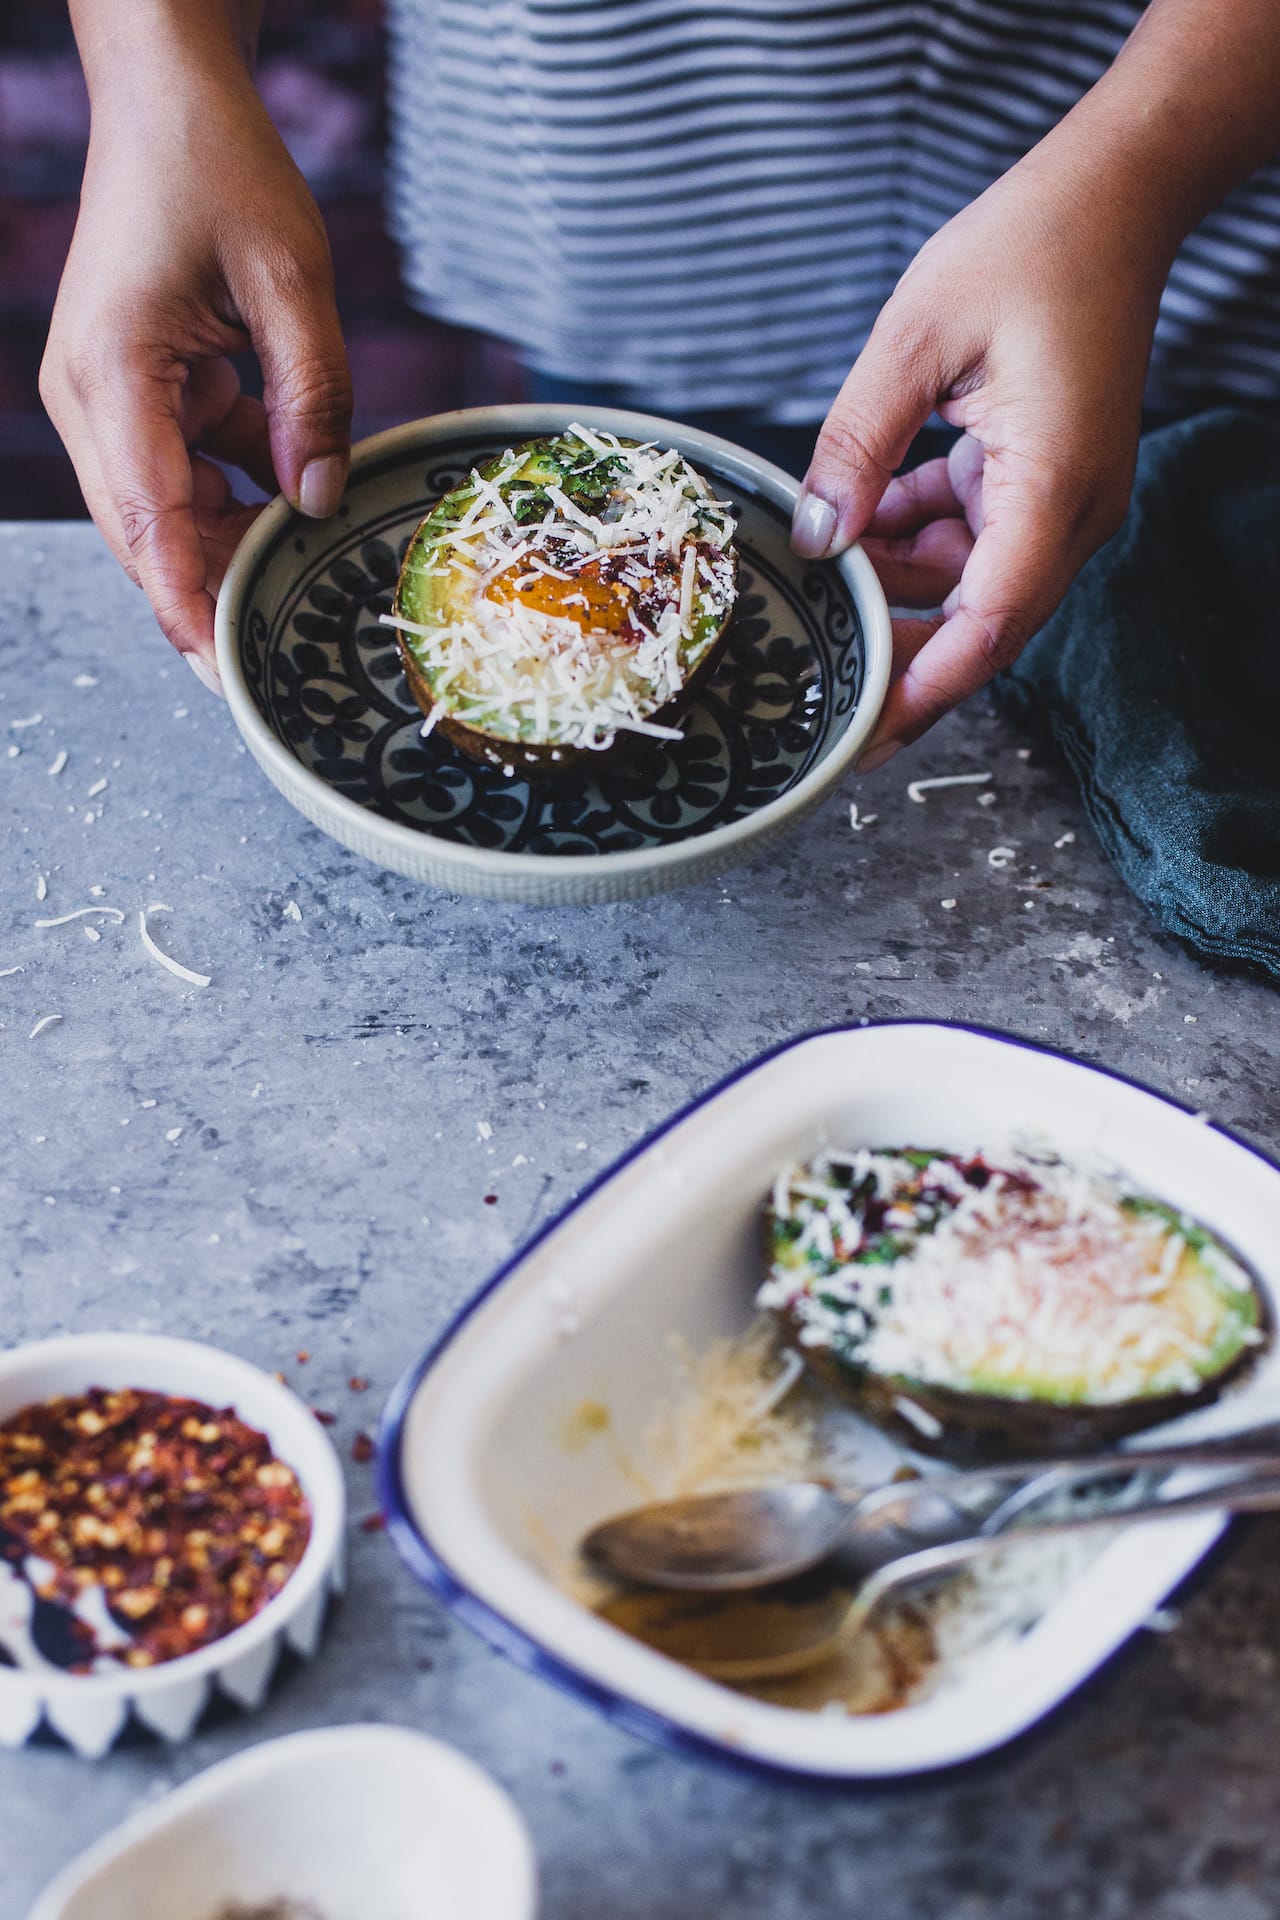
(1035, 1399)
(439, 593)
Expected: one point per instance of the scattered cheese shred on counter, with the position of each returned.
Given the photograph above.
(59, 761)
(99, 786)
(6, 971)
(917, 789)
(291, 910)
(1002, 856)
(164, 959)
(47, 1020)
(112, 913)
(42, 887)
(32, 720)
(1063, 840)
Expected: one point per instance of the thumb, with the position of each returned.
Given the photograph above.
(874, 418)
(306, 384)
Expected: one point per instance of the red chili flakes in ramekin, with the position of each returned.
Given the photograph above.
(180, 1513)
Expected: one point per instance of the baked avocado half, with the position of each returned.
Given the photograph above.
(567, 596)
(984, 1308)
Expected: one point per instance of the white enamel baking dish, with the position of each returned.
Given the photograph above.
(484, 1496)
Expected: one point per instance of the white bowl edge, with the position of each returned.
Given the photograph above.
(271, 1766)
(91, 1710)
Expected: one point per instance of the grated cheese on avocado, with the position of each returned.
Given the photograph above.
(538, 673)
(1044, 1279)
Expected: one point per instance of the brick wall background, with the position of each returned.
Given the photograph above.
(321, 76)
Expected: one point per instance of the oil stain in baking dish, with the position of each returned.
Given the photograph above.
(583, 1424)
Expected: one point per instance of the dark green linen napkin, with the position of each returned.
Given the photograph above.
(1159, 677)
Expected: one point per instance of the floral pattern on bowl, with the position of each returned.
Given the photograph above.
(300, 617)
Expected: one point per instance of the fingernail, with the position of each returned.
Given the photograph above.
(812, 526)
(205, 674)
(320, 489)
(878, 753)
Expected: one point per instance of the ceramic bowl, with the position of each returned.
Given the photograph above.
(90, 1711)
(352, 1821)
(315, 687)
(490, 1478)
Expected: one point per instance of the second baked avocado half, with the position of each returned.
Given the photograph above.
(569, 595)
(1011, 1305)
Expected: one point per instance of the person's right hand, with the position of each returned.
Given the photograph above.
(197, 238)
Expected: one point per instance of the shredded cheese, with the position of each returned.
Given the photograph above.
(651, 571)
(917, 789)
(78, 913)
(48, 1020)
(1038, 1275)
(164, 959)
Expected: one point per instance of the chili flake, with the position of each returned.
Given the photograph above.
(177, 1512)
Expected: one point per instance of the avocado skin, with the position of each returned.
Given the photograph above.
(531, 758)
(980, 1429)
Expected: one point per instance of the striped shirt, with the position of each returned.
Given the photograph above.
(707, 202)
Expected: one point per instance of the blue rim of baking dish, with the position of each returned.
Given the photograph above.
(529, 1653)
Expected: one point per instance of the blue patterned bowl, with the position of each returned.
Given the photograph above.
(315, 687)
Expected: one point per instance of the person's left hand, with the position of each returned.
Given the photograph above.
(1027, 321)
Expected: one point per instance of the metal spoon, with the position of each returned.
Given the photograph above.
(917, 1569)
(769, 1633)
(758, 1536)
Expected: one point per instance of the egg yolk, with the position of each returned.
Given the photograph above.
(594, 598)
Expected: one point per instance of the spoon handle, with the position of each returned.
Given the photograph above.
(1257, 1494)
(1028, 1481)
(1246, 1445)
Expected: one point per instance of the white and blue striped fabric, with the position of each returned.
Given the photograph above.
(706, 202)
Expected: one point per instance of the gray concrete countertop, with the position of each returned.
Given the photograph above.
(257, 1164)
